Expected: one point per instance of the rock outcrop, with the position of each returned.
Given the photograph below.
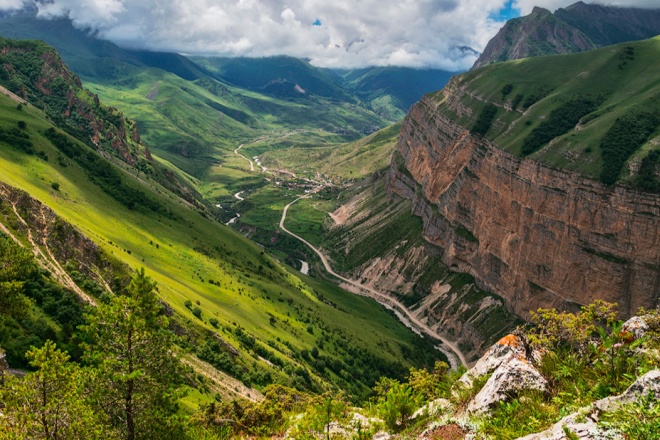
(510, 367)
(576, 28)
(535, 235)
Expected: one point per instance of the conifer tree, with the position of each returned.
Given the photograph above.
(49, 403)
(130, 346)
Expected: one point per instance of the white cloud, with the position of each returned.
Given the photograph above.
(11, 5)
(418, 33)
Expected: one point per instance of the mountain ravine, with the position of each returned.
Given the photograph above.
(535, 235)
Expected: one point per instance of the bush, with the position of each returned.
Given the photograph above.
(55, 186)
(484, 121)
(560, 121)
(197, 312)
(628, 133)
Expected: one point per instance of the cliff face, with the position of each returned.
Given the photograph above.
(537, 236)
(576, 28)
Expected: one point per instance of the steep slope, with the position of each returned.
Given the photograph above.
(539, 235)
(576, 28)
(238, 308)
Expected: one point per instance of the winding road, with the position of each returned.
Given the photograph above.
(385, 300)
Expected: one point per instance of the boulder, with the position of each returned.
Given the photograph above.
(636, 325)
(507, 348)
(509, 378)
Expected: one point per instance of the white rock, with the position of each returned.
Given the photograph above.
(636, 325)
(432, 408)
(507, 348)
(510, 377)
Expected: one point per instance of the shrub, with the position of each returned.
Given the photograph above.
(197, 312)
(55, 186)
(188, 304)
(484, 121)
(560, 121)
(628, 133)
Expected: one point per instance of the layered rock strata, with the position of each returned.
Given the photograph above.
(537, 236)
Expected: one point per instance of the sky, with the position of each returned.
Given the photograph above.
(330, 33)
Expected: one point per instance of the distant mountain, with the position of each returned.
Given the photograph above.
(279, 76)
(576, 28)
(90, 56)
(390, 91)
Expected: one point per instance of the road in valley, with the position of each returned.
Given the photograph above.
(383, 299)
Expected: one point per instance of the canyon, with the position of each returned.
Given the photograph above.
(535, 235)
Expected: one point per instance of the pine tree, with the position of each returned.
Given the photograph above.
(137, 371)
(49, 403)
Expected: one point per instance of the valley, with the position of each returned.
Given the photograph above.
(313, 252)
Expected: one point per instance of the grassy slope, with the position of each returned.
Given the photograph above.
(191, 250)
(339, 162)
(600, 74)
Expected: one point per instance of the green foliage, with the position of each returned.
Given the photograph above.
(50, 403)
(320, 412)
(507, 89)
(267, 417)
(396, 402)
(647, 178)
(16, 266)
(129, 345)
(430, 385)
(628, 133)
(530, 412)
(485, 119)
(639, 419)
(103, 174)
(17, 139)
(55, 186)
(560, 121)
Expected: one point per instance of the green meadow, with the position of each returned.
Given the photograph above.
(233, 281)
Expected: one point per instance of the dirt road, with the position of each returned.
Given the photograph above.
(378, 296)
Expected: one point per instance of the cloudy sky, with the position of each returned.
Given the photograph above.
(331, 33)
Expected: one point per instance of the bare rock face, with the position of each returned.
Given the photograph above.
(535, 235)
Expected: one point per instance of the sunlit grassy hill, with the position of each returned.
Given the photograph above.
(220, 284)
(595, 112)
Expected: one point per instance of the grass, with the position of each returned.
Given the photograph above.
(183, 253)
(617, 80)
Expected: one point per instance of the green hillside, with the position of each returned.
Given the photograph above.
(390, 91)
(217, 283)
(596, 113)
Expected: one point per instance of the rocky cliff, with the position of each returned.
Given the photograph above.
(576, 28)
(535, 235)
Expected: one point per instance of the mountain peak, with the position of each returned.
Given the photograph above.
(576, 28)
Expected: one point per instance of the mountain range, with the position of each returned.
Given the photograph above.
(576, 28)
(531, 181)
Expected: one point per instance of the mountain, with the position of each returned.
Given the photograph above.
(279, 76)
(539, 177)
(90, 215)
(576, 28)
(390, 91)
